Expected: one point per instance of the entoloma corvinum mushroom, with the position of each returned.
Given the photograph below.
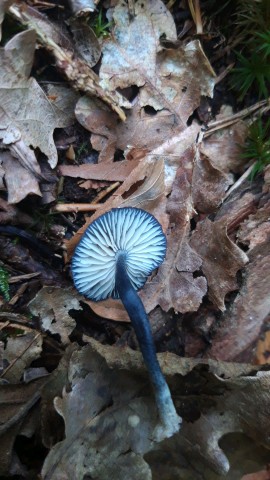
(116, 254)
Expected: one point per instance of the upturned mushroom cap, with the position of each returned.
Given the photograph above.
(129, 231)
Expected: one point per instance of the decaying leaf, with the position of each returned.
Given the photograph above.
(209, 184)
(15, 403)
(101, 171)
(255, 230)
(240, 327)
(224, 147)
(147, 126)
(18, 92)
(104, 420)
(110, 422)
(52, 305)
(86, 41)
(261, 475)
(221, 258)
(20, 351)
(131, 58)
(19, 180)
(175, 286)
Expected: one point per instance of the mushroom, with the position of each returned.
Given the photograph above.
(116, 254)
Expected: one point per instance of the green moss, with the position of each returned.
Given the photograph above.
(4, 286)
(257, 146)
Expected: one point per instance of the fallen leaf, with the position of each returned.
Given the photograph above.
(262, 475)
(52, 305)
(22, 348)
(102, 171)
(221, 258)
(255, 230)
(175, 286)
(15, 402)
(52, 426)
(36, 126)
(104, 420)
(240, 327)
(20, 182)
(86, 41)
(224, 147)
(209, 185)
(129, 57)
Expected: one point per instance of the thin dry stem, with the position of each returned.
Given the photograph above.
(76, 207)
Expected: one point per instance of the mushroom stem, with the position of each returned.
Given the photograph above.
(141, 325)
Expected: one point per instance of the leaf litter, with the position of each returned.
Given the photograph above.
(213, 285)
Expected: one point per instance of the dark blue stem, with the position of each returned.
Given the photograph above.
(141, 325)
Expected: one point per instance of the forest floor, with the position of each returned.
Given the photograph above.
(162, 107)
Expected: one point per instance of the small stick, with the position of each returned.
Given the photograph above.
(26, 276)
(76, 207)
(105, 192)
(20, 355)
(18, 294)
(239, 181)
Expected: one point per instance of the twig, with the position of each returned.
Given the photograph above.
(263, 106)
(26, 276)
(6, 324)
(105, 192)
(223, 74)
(20, 355)
(18, 294)
(76, 207)
(239, 181)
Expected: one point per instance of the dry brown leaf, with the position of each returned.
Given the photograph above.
(111, 425)
(224, 147)
(113, 172)
(93, 184)
(35, 125)
(20, 181)
(52, 305)
(261, 475)
(20, 351)
(175, 286)
(140, 131)
(209, 185)
(238, 331)
(255, 230)
(104, 420)
(86, 41)
(76, 70)
(131, 58)
(240, 328)
(145, 130)
(221, 258)
(15, 403)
